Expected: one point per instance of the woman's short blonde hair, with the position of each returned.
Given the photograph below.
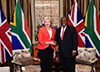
(47, 18)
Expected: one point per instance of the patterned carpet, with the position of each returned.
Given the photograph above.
(97, 70)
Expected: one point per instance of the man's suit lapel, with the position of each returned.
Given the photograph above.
(59, 33)
(67, 28)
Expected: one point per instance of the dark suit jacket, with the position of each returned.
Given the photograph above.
(69, 42)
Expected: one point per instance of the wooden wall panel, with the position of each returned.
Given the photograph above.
(85, 4)
(66, 8)
(82, 4)
(32, 20)
(13, 4)
(61, 8)
(4, 7)
(79, 4)
(25, 9)
(97, 6)
(70, 4)
(29, 17)
(82, 7)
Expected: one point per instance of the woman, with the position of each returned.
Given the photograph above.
(46, 45)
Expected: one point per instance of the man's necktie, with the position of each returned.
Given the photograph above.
(62, 33)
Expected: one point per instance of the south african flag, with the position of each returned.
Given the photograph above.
(20, 31)
(92, 28)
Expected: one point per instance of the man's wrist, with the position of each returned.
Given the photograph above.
(54, 49)
(74, 50)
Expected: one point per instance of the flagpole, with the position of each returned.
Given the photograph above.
(16, 1)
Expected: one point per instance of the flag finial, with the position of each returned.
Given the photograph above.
(16, 1)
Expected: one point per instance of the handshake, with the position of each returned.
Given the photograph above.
(51, 42)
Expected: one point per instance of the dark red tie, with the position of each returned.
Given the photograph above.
(62, 33)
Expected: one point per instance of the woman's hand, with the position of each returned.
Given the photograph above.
(53, 42)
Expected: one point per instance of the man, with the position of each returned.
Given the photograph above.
(67, 40)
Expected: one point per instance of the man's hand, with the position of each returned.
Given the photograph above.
(73, 53)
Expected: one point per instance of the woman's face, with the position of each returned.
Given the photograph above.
(47, 23)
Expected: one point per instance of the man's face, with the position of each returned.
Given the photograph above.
(64, 21)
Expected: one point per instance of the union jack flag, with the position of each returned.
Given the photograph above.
(5, 39)
(75, 19)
